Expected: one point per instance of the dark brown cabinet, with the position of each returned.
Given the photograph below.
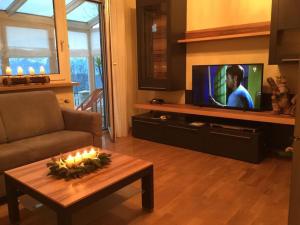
(243, 144)
(285, 32)
(161, 60)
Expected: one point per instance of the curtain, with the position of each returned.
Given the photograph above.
(78, 44)
(119, 66)
(36, 43)
(95, 42)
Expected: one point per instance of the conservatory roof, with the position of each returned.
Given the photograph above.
(77, 10)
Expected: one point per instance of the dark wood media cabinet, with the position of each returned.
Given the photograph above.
(245, 139)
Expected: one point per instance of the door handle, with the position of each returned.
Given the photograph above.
(230, 135)
(147, 122)
(183, 128)
(291, 60)
(62, 44)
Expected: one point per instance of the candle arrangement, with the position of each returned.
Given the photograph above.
(75, 166)
(22, 78)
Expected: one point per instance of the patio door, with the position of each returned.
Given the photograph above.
(86, 40)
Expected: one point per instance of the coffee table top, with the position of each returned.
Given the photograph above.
(69, 192)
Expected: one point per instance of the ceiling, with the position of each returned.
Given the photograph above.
(77, 10)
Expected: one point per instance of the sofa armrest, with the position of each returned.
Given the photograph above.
(83, 121)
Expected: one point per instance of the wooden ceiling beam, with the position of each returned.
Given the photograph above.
(14, 6)
(94, 21)
(73, 5)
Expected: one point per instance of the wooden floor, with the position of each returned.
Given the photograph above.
(191, 188)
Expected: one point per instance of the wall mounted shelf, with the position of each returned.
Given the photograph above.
(228, 32)
(265, 117)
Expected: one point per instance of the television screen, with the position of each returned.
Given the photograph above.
(230, 86)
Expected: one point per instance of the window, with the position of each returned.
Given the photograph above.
(27, 36)
(79, 52)
(85, 51)
(34, 62)
(36, 42)
(37, 7)
(4, 4)
(86, 12)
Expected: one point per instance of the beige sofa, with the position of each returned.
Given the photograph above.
(34, 127)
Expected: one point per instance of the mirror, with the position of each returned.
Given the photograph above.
(27, 37)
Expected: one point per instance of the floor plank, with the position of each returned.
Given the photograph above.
(191, 188)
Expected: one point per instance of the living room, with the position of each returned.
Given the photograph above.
(149, 112)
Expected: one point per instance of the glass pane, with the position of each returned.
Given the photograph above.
(25, 63)
(84, 13)
(80, 73)
(99, 82)
(38, 39)
(95, 42)
(86, 59)
(4, 4)
(29, 38)
(78, 43)
(68, 1)
(156, 42)
(37, 7)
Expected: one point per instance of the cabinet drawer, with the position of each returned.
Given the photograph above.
(238, 145)
(149, 130)
(185, 137)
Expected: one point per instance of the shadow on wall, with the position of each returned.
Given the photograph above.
(175, 97)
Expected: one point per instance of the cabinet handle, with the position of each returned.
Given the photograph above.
(184, 128)
(230, 135)
(157, 88)
(291, 60)
(148, 122)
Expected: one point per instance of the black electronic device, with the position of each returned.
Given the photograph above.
(157, 101)
(235, 86)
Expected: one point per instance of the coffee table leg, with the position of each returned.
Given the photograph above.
(147, 191)
(12, 201)
(64, 217)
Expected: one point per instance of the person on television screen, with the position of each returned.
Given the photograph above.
(239, 96)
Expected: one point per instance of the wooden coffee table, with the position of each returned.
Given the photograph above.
(66, 197)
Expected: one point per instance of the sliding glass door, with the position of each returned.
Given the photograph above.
(85, 34)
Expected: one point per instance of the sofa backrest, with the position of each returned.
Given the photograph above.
(3, 137)
(28, 114)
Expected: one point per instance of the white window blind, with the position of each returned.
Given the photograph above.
(95, 42)
(36, 43)
(78, 44)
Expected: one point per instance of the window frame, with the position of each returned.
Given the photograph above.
(60, 12)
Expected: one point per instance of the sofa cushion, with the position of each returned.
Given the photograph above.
(29, 150)
(28, 114)
(3, 137)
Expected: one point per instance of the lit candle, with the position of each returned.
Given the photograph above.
(20, 70)
(31, 70)
(70, 161)
(42, 70)
(85, 155)
(8, 71)
(78, 158)
(92, 153)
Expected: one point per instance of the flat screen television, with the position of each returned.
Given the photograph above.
(235, 86)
